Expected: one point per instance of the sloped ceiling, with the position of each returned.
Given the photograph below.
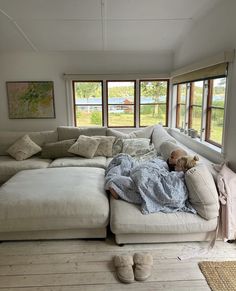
(97, 25)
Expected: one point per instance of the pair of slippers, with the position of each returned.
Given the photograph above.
(138, 267)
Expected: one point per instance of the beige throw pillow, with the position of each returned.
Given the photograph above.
(202, 191)
(105, 146)
(23, 148)
(85, 146)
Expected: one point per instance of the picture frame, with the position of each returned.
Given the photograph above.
(30, 99)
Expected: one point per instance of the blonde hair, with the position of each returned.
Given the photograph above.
(187, 162)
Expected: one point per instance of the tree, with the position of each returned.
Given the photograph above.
(96, 118)
(154, 89)
(88, 90)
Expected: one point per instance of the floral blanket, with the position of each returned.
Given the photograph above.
(148, 184)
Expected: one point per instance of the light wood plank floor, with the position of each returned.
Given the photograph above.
(85, 265)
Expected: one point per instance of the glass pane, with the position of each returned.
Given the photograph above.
(196, 118)
(120, 92)
(218, 92)
(183, 93)
(120, 115)
(153, 92)
(152, 114)
(88, 115)
(197, 93)
(216, 127)
(181, 117)
(88, 92)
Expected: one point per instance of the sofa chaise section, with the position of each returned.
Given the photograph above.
(43, 203)
(131, 226)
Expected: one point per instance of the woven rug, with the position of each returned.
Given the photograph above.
(220, 276)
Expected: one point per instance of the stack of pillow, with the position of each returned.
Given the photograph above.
(84, 146)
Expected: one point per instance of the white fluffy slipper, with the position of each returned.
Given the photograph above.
(124, 268)
(143, 266)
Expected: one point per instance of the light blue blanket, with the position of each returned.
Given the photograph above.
(148, 184)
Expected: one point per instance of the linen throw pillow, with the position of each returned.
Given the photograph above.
(202, 191)
(23, 148)
(136, 146)
(105, 146)
(85, 146)
(58, 149)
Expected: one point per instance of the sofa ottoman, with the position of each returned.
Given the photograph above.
(131, 226)
(54, 203)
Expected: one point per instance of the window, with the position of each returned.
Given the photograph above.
(195, 108)
(121, 103)
(181, 105)
(153, 102)
(205, 105)
(88, 109)
(215, 110)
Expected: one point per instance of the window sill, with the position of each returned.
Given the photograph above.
(204, 148)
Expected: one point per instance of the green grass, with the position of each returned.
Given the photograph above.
(127, 119)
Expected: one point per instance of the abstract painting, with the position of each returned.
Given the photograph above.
(30, 99)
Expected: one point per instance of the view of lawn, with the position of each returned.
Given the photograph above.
(88, 103)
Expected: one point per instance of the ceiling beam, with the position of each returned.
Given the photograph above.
(20, 30)
(104, 24)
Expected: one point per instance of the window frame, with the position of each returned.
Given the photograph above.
(74, 98)
(209, 113)
(191, 105)
(206, 106)
(134, 104)
(178, 105)
(158, 103)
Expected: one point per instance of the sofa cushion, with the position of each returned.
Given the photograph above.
(105, 147)
(23, 148)
(97, 162)
(71, 132)
(60, 198)
(127, 218)
(85, 146)
(202, 191)
(159, 136)
(167, 147)
(136, 146)
(8, 138)
(9, 166)
(57, 149)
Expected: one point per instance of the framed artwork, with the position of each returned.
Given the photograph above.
(30, 99)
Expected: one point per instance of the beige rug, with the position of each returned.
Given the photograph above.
(220, 276)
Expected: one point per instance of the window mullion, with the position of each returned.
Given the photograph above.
(187, 107)
(137, 103)
(104, 103)
(204, 111)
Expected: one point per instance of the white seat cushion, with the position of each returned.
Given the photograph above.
(97, 162)
(9, 166)
(127, 218)
(61, 198)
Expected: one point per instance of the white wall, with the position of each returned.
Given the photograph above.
(213, 34)
(50, 67)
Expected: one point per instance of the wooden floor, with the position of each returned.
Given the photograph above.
(76, 265)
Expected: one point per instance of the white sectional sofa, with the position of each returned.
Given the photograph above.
(65, 197)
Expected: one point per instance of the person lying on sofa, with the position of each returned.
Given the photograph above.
(150, 184)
